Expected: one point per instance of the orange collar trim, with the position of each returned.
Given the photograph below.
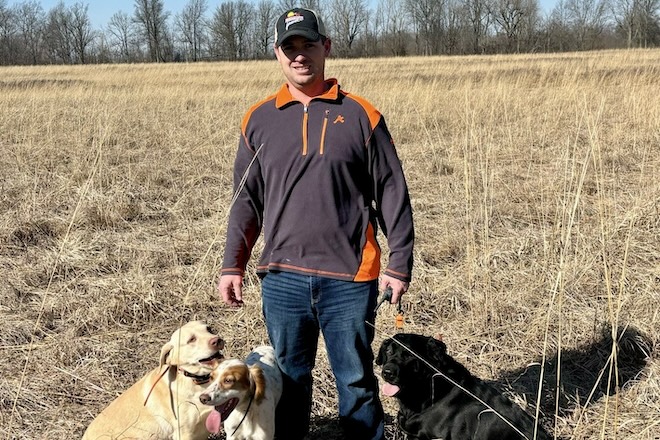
(284, 97)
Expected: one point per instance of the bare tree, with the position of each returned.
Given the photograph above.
(224, 31)
(82, 34)
(283, 5)
(638, 20)
(223, 39)
(587, 20)
(370, 40)
(427, 18)
(7, 33)
(530, 33)
(264, 28)
(394, 34)
(624, 12)
(152, 17)
(229, 28)
(244, 23)
(122, 32)
(452, 19)
(516, 20)
(346, 18)
(192, 27)
(102, 48)
(59, 35)
(508, 15)
(649, 18)
(477, 12)
(30, 19)
(314, 5)
(556, 29)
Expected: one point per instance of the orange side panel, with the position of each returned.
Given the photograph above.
(370, 266)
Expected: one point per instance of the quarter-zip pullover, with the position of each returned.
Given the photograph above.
(324, 176)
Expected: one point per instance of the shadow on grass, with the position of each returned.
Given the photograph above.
(586, 374)
(322, 428)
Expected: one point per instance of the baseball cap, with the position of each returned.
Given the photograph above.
(299, 21)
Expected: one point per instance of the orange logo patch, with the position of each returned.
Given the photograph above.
(339, 119)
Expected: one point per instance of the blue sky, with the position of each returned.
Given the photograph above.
(101, 11)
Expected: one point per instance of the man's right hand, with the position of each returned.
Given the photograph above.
(230, 289)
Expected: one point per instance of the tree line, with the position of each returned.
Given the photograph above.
(241, 30)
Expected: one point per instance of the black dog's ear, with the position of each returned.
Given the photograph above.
(436, 348)
(380, 359)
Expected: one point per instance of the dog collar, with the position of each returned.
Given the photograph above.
(197, 379)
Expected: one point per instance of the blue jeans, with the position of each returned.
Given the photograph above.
(296, 307)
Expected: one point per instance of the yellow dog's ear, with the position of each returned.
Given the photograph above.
(165, 353)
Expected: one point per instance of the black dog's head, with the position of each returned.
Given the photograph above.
(409, 361)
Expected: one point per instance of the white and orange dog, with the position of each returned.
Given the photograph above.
(245, 394)
(164, 404)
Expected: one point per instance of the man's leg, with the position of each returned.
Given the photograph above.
(345, 310)
(293, 332)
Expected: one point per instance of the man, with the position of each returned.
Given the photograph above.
(316, 168)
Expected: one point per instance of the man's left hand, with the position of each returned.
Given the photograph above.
(398, 287)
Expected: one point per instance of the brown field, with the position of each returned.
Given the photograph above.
(535, 182)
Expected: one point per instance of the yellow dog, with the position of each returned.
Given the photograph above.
(165, 404)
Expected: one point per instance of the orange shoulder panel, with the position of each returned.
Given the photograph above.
(248, 114)
(374, 115)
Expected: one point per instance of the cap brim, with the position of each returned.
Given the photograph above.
(307, 33)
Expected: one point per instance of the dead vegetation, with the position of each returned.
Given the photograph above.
(536, 193)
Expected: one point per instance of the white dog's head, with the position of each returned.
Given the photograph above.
(233, 381)
(194, 346)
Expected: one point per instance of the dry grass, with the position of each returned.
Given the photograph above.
(535, 181)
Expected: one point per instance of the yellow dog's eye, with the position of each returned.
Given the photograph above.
(192, 339)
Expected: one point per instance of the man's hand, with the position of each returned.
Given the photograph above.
(398, 287)
(230, 289)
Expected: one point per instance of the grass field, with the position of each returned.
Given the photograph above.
(535, 183)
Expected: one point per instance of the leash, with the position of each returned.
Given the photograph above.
(244, 415)
(154, 385)
(387, 296)
(197, 380)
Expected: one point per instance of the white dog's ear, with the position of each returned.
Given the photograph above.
(165, 352)
(258, 383)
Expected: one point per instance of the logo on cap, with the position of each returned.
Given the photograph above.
(292, 18)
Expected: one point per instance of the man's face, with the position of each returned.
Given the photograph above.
(303, 62)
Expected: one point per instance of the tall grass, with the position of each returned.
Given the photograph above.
(535, 189)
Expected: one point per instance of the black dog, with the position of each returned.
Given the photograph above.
(432, 407)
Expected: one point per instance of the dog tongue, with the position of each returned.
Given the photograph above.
(214, 422)
(389, 390)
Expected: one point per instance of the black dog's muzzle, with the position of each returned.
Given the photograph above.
(390, 373)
